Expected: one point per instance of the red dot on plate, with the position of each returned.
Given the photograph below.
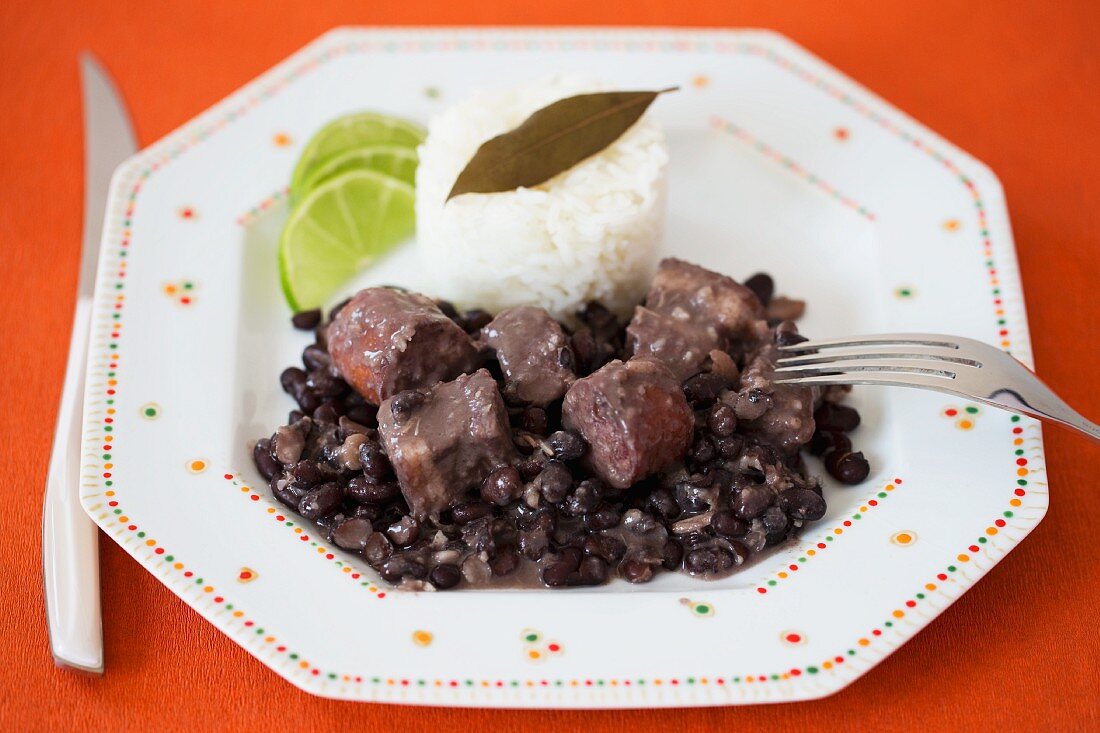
(793, 567)
(1017, 431)
(974, 548)
(1021, 461)
(794, 638)
(821, 545)
(796, 672)
(228, 477)
(159, 550)
(761, 590)
(876, 632)
(280, 648)
(847, 523)
(330, 556)
(554, 647)
(1019, 492)
(999, 522)
(872, 502)
(254, 498)
(942, 576)
(911, 604)
(951, 412)
(187, 574)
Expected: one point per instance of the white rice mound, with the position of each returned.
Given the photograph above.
(590, 233)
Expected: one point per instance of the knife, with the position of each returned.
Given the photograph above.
(70, 553)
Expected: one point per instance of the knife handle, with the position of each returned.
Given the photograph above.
(70, 550)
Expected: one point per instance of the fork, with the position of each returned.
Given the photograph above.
(951, 364)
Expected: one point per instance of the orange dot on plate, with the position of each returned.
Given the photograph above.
(700, 80)
(841, 133)
(952, 225)
(421, 637)
(281, 139)
(903, 538)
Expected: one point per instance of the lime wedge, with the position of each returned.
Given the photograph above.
(349, 132)
(339, 228)
(393, 160)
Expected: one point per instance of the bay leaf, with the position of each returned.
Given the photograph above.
(551, 141)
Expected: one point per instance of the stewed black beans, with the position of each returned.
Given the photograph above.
(696, 477)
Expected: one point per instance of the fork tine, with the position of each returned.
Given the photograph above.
(848, 366)
(857, 354)
(885, 379)
(885, 339)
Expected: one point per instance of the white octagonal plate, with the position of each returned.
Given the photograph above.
(779, 163)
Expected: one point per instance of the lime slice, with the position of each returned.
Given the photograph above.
(339, 228)
(392, 160)
(352, 131)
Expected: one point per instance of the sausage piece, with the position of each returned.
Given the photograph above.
(634, 417)
(385, 341)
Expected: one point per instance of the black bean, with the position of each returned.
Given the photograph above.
(592, 571)
(352, 534)
(567, 445)
(533, 420)
(531, 467)
(504, 562)
(540, 518)
(604, 517)
(326, 413)
(316, 359)
(306, 475)
(375, 463)
(672, 554)
(722, 420)
(662, 503)
(476, 319)
(774, 518)
(638, 522)
(293, 380)
(724, 523)
(703, 451)
(566, 359)
(448, 309)
(709, 561)
(597, 317)
(728, 448)
(554, 482)
(261, 456)
(361, 413)
(751, 404)
(320, 501)
(404, 532)
(803, 504)
(478, 535)
(557, 571)
(762, 285)
(836, 418)
(378, 549)
(751, 501)
(789, 338)
(533, 544)
(605, 546)
(294, 416)
(369, 512)
(501, 486)
(584, 498)
(401, 566)
(402, 404)
(691, 498)
(847, 468)
(468, 512)
(306, 320)
(445, 576)
(286, 493)
(308, 400)
(703, 389)
(635, 570)
(584, 349)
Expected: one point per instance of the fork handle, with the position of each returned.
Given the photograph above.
(70, 550)
(1041, 402)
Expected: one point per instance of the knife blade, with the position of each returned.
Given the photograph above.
(70, 553)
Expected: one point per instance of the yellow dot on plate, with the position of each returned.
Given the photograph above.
(421, 637)
(952, 225)
(196, 466)
(904, 538)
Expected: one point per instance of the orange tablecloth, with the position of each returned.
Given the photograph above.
(1016, 86)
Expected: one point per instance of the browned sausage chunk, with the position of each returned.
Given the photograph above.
(787, 413)
(634, 417)
(534, 355)
(688, 312)
(385, 341)
(445, 440)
